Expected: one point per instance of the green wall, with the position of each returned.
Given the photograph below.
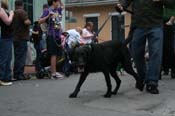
(37, 8)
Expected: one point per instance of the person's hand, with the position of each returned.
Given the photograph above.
(119, 8)
(51, 13)
(11, 13)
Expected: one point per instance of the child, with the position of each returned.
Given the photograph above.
(53, 17)
(37, 36)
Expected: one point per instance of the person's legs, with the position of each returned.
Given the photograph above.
(174, 38)
(53, 51)
(8, 71)
(5, 61)
(53, 64)
(20, 51)
(138, 51)
(165, 66)
(173, 54)
(167, 41)
(155, 44)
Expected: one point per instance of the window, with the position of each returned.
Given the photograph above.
(28, 6)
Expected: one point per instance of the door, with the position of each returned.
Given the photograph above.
(95, 22)
(117, 24)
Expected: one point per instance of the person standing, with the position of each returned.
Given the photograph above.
(5, 44)
(147, 19)
(21, 25)
(53, 18)
(168, 53)
(36, 38)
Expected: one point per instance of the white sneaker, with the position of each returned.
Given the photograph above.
(5, 83)
(57, 76)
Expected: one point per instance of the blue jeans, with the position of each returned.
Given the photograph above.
(5, 59)
(154, 36)
(20, 52)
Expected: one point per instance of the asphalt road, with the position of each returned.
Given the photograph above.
(50, 98)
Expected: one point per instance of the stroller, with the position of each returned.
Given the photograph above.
(63, 64)
(44, 62)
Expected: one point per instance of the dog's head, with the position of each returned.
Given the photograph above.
(80, 57)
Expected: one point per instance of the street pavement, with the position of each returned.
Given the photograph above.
(50, 98)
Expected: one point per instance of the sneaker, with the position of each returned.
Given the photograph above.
(152, 89)
(57, 76)
(2, 83)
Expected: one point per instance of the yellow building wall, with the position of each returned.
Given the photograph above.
(104, 12)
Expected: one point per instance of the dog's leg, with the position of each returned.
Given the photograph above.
(117, 80)
(127, 64)
(139, 83)
(108, 83)
(81, 81)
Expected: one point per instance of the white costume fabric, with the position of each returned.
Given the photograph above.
(74, 37)
(87, 40)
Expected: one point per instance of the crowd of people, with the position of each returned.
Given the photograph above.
(147, 26)
(14, 30)
(15, 27)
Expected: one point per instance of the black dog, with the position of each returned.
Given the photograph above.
(104, 57)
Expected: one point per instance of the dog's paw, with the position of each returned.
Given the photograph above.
(139, 86)
(72, 95)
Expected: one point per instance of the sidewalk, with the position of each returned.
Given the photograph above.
(141, 103)
(129, 100)
(48, 97)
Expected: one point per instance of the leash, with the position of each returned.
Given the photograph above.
(102, 26)
(124, 9)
